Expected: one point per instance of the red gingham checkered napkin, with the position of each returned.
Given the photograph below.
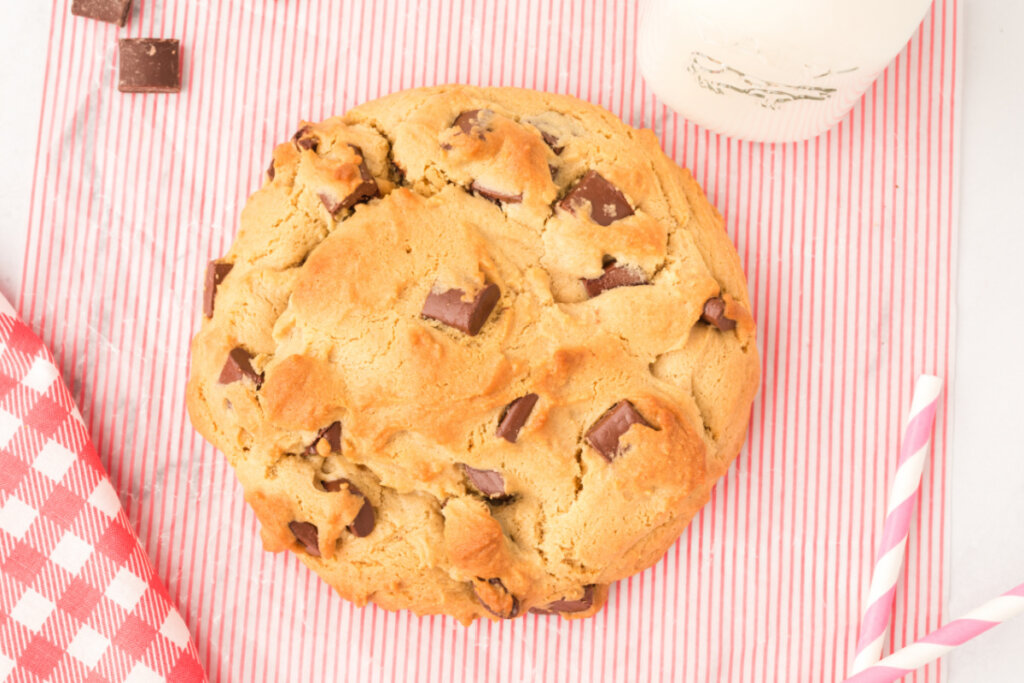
(79, 600)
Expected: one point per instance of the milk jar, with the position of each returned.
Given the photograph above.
(770, 70)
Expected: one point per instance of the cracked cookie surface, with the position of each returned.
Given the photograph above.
(475, 351)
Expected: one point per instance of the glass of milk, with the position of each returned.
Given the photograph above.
(770, 70)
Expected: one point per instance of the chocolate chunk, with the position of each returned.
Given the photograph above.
(568, 606)
(515, 416)
(366, 519)
(239, 365)
(467, 121)
(113, 11)
(607, 203)
(216, 271)
(306, 138)
(714, 314)
(553, 171)
(614, 276)
(270, 170)
(366, 189)
(495, 194)
(487, 482)
(552, 142)
(496, 599)
(306, 534)
(331, 434)
(149, 65)
(604, 435)
(468, 316)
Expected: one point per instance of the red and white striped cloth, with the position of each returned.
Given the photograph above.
(848, 241)
(79, 599)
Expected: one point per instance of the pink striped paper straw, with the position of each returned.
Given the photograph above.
(939, 642)
(902, 502)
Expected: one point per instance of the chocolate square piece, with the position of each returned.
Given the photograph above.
(149, 65)
(113, 11)
(604, 435)
(714, 314)
(487, 482)
(216, 271)
(564, 606)
(468, 316)
(238, 366)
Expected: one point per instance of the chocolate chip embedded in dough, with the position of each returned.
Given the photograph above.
(330, 434)
(515, 416)
(216, 271)
(552, 142)
(471, 120)
(306, 534)
(495, 598)
(614, 276)
(468, 316)
(487, 482)
(365, 190)
(607, 203)
(495, 194)
(604, 435)
(270, 170)
(714, 314)
(563, 606)
(306, 138)
(239, 365)
(365, 519)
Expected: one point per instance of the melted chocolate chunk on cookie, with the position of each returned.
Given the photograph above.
(239, 365)
(366, 519)
(468, 316)
(365, 190)
(604, 435)
(495, 194)
(581, 604)
(471, 120)
(270, 170)
(607, 203)
(714, 314)
(306, 138)
(496, 599)
(487, 482)
(552, 142)
(216, 271)
(331, 434)
(306, 534)
(614, 276)
(514, 417)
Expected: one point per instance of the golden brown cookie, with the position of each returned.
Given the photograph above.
(476, 351)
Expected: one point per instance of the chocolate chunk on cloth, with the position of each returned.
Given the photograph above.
(614, 276)
(112, 11)
(487, 482)
(216, 271)
(365, 190)
(306, 534)
(607, 203)
(149, 65)
(331, 435)
(581, 604)
(468, 316)
(714, 314)
(515, 416)
(365, 519)
(495, 194)
(604, 435)
(239, 365)
(495, 598)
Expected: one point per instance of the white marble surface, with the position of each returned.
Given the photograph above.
(988, 447)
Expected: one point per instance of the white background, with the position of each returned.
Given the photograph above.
(988, 448)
